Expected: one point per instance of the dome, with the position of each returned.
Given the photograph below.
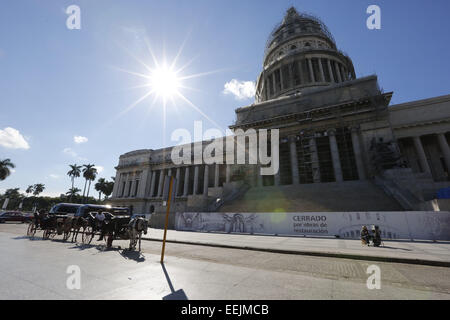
(296, 24)
(301, 54)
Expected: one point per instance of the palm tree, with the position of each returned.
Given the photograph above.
(30, 189)
(100, 186)
(73, 173)
(5, 166)
(38, 188)
(86, 169)
(109, 186)
(73, 192)
(89, 173)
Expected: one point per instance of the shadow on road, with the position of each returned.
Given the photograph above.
(174, 295)
(132, 255)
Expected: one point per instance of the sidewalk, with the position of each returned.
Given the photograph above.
(417, 252)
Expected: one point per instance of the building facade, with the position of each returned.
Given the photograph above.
(333, 128)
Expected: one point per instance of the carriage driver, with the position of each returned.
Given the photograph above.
(101, 216)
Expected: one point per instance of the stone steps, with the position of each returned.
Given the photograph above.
(328, 197)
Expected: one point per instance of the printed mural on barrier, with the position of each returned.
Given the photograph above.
(393, 225)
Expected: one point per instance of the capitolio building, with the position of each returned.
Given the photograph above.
(342, 146)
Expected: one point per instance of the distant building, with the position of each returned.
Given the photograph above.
(336, 131)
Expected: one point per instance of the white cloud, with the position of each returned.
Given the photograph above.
(99, 169)
(54, 176)
(240, 89)
(70, 152)
(80, 139)
(13, 139)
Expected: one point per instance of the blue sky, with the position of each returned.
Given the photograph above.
(57, 83)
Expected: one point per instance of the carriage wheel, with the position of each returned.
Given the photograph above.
(31, 230)
(87, 235)
(66, 235)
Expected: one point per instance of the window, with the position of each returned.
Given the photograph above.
(277, 80)
(270, 84)
(293, 47)
(316, 69)
(306, 76)
(129, 188)
(326, 71)
(295, 74)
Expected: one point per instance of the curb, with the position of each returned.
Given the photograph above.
(423, 262)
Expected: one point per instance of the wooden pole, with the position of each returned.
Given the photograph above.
(167, 219)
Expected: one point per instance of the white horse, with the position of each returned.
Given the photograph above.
(136, 226)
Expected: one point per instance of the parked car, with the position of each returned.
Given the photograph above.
(13, 216)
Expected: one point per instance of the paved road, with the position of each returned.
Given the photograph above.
(37, 269)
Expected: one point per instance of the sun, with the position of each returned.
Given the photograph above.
(165, 82)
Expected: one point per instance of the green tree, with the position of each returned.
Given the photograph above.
(38, 188)
(89, 173)
(5, 168)
(109, 186)
(100, 187)
(74, 172)
(30, 189)
(73, 192)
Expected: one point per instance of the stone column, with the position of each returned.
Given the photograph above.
(186, 182)
(444, 148)
(315, 166)
(161, 183)
(145, 179)
(216, 175)
(274, 83)
(421, 154)
(358, 154)
(206, 180)
(335, 156)
(281, 80)
(338, 72)
(294, 161)
(330, 70)
(152, 188)
(195, 180)
(177, 176)
(322, 74)
(228, 173)
(311, 70)
(116, 187)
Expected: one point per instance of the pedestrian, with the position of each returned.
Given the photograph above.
(365, 236)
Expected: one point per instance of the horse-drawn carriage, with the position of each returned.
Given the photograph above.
(119, 224)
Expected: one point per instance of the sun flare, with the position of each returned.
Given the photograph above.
(164, 82)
